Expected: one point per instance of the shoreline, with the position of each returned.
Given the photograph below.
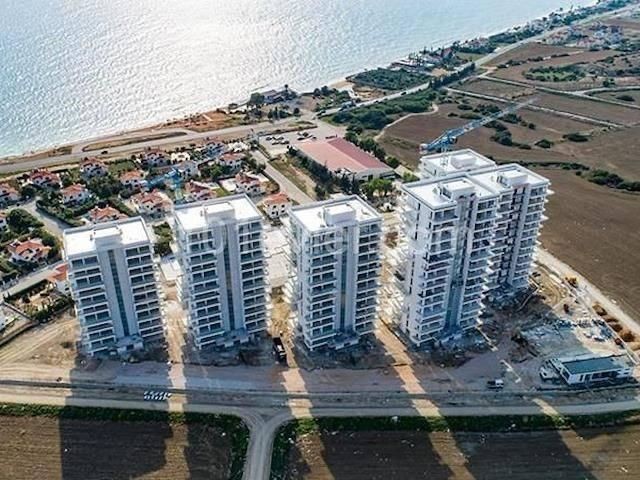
(158, 127)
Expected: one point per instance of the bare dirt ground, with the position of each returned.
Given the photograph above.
(589, 108)
(596, 230)
(39, 447)
(203, 122)
(635, 94)
(532, 50)
(121, 141)
(486, 86)
(516, 72)
(403, 138)
(602, 453)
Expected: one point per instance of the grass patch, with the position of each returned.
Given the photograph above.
(232, 426)
(386, 79)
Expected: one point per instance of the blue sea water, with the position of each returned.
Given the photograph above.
(73, 69)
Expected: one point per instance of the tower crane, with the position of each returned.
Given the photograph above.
(444, 142)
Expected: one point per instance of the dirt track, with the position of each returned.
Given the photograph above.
(603, 454)
(45, 448)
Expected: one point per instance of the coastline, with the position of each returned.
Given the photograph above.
(158, 127)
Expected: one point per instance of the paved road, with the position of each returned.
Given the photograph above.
(12, 165)
(31, 279)
(286, 185)
(263, 423)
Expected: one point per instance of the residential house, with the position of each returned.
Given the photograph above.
(153, 204)
(133, 180)
(3, 221)
(75, 194)
(179, 157)
(187, 169)
(154, 158)
(92, 168)
(276, 205)
(45, 179)
(8, 194)
(230, 160)
(106, 214)
(249, 184)
(29, 251)
(213, 150)
(60, 280)
(199, 191)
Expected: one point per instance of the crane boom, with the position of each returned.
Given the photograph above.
(448, 138)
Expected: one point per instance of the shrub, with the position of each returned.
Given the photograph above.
(576, 137)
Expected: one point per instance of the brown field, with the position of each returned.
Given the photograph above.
(635, 94)
(496, 89)
(532, 50)
(47, 448)
(605, 454)
(403, 138)
(516, 72)
(589, 108)
(596, 230)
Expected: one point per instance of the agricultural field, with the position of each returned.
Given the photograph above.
(589, 108)
(596, 230)
(631, 97)
(507, 91)
(590, 59)
(602, 453)
(530, 51)
(43, 447)
(403, 138)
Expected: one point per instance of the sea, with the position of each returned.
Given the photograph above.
(76, 69)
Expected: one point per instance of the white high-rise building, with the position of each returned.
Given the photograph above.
(449, 225)
(448, 163)
(113, 281)
(335, 269)
(220, 249)
(471, 230)
(523, 195)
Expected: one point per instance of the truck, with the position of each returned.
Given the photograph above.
(279, 351)
(497, 384)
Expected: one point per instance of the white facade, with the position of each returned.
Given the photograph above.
(471, 230)
(523, 195)
(114, 284)
(335, 270)
(448, 228)
(221, 252)
(449, 163)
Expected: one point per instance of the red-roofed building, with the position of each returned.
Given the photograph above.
(344, 158)
(75, 193)
(106, 214)
(199, 191)
(230, 160)
(92, 167)
(29, 251)
(154, 157)
(153, 203)
(45, 178)
(276, 205)
(8, 194)
(59, 279)
(249, 184)
(133, 180)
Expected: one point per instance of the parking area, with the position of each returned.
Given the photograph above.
(277, 144)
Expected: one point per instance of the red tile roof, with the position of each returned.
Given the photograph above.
(59, 273)
(75, 188)
(338, 154)
(276, 198)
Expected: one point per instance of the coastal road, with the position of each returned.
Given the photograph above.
(16, 164)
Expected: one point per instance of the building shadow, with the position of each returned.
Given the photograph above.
(108, 442)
